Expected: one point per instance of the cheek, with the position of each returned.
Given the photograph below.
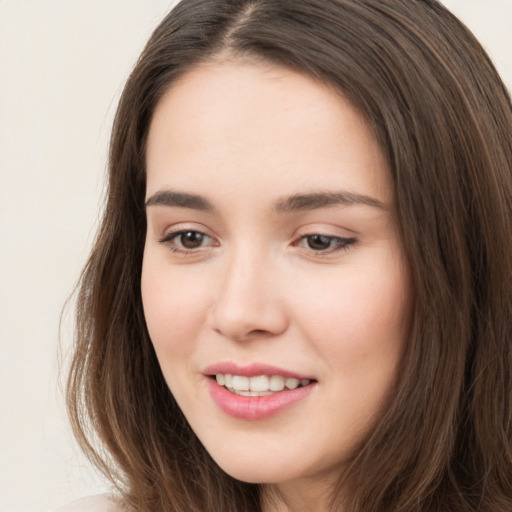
(358, 325)
(174, 307)
(359, 316)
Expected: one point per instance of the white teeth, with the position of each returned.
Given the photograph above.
(276, 383)
(292, 383)
(259, 383)
(258, 386)
(253, 393)
(240, 383)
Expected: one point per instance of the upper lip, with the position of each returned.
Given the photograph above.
(252, 370)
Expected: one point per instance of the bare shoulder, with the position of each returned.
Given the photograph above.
(99, 503)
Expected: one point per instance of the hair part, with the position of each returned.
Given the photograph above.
(443, 119)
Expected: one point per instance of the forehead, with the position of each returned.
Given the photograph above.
(243, 126)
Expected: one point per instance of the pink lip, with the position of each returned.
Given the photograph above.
(254, 407)
(251, 370)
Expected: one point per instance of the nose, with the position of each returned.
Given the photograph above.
(249, 303)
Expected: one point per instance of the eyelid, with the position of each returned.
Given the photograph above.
(345, 238)
(341, 244)
(179, 227)
(338, 242)
(172, 233)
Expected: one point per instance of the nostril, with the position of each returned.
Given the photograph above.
(259, 332)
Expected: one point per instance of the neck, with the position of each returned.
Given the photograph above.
(295, 497)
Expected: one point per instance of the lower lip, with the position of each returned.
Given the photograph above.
(255, 407)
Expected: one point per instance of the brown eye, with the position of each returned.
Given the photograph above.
(319, 242)
(191, 239)
(187, 241)
(325, 244)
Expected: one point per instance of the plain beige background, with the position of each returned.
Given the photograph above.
(62, 67)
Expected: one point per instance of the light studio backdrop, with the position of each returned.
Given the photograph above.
(62, 67)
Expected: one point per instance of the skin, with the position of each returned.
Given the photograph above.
(257, 287)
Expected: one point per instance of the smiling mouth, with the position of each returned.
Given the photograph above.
(261, 385)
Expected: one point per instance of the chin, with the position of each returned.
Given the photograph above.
(262, 466)
(257, 474)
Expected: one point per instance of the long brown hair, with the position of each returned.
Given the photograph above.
(444, 122)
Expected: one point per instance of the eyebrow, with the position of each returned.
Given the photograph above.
(316, 200)
(294, 203)
(180, 199)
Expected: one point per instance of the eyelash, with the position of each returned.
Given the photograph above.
(170, 238)
(335, 243)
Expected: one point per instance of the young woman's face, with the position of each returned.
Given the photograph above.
(272, 263)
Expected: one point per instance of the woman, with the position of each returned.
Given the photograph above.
(300, 294)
